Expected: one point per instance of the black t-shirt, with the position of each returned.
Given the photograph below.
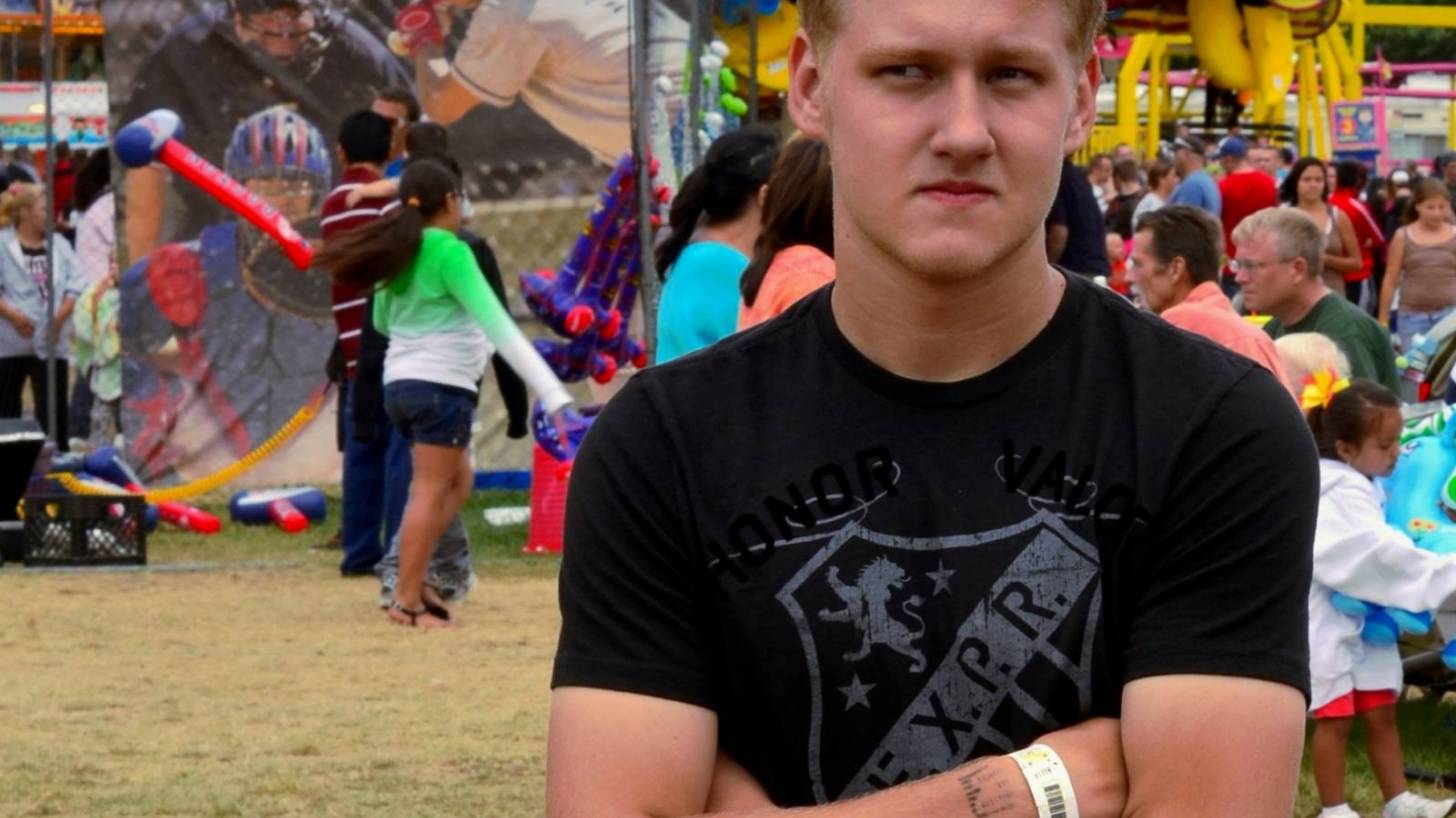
(214, 82)
(872, 579)
(1076, 208)
(37, 268)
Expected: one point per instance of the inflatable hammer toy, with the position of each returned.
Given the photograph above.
(415, 26)
(106, 463)
(156, 138)
(290, 509)
(560, 435)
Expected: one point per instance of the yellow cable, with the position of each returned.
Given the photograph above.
(222, 476)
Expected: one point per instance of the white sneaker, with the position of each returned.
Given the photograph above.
(1410, 805)
(1342, 811)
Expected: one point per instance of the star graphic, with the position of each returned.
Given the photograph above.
(941, 578)
(856, 694)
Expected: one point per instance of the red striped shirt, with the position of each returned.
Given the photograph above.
(338, 217)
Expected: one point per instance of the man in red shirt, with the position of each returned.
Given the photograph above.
(372, 508)
(1245, 191)
(1350, 176)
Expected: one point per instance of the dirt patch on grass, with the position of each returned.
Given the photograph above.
(268, 692)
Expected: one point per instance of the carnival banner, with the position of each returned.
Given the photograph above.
(225, 342)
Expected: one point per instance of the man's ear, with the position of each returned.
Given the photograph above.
(1079, 129)
(806, 88)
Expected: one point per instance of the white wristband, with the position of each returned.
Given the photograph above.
(1051, 787)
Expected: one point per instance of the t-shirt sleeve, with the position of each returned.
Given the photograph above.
(500, 52)
(630, 615)
(1221, 583)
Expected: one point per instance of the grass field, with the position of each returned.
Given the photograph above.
(240, 676)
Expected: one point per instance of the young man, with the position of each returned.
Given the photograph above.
(373, 503)
(1175, 264)
(399, 106)
(1280, 268)
(1350, 176)
(869, 547)
(1197, 188)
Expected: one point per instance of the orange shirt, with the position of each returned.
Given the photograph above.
(795, 272)
(1207, 312)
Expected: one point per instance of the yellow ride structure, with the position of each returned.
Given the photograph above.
(1263, 49)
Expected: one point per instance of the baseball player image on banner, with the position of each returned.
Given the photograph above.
(567, 59)
(224, 61)
(223, 337)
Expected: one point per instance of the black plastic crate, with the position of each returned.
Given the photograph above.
(79, 530)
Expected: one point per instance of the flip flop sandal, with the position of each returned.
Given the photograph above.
(414, 616)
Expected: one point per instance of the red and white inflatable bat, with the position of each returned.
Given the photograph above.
(156, 138)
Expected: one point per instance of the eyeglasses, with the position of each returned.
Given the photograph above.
(1240, 265)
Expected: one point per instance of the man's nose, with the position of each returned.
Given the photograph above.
(964, 124)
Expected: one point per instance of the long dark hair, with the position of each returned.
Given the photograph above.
(92, 180)
(798, 209)
(376, 253)
(1350, 416)
(736, 166)
(1289, 188)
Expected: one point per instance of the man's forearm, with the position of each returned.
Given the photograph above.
(984, 788)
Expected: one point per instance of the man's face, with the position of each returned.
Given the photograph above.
(1449, 172)
(1123, 152)
(1265, 160)
(280, 33)
(1157, 282)
(1185, 161)
(948, 121)
(291, 197)
(398, 114)
(1268, 280)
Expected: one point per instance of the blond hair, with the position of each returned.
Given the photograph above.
(16, 199)
(821, 20)
(1305, 353)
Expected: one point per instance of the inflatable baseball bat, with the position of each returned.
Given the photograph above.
(290, 509)
(149, 520)
(156, 138)
(107, 464)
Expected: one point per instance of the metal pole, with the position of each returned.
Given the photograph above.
(48, 52)
(695, 84)
(641, 81)
(753, 61)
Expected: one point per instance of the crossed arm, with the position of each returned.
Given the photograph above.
(1187, 746)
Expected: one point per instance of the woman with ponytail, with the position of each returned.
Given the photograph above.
(714, 224)
(794, 255)
(28, 330)
(442, 321)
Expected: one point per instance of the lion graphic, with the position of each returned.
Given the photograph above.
(867, 606)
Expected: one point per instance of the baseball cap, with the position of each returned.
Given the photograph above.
(1190, 143)
(1232, 146)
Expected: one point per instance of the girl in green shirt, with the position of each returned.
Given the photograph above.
(443, 322)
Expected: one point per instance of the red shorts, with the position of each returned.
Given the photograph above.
(1360, 701)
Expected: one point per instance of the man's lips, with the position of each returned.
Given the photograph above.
(957, 192)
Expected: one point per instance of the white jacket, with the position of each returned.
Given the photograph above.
(1358, 554)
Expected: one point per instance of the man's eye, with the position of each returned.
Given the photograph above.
(1010, 75)
(911, 72)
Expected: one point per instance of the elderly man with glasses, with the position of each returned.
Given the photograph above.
(1279, 264)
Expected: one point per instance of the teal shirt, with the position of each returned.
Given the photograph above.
(700, 299)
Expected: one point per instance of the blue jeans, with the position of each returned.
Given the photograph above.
(1410, 324)
(376, 484)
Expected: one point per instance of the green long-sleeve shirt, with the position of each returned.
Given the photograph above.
(442, 320)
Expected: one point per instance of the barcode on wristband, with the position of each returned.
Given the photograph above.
(1056, 803)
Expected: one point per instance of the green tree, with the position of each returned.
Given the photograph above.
(1402, 44)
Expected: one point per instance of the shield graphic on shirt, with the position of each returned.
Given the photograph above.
(924, 653)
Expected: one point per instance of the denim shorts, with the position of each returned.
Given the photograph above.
(430, 413)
